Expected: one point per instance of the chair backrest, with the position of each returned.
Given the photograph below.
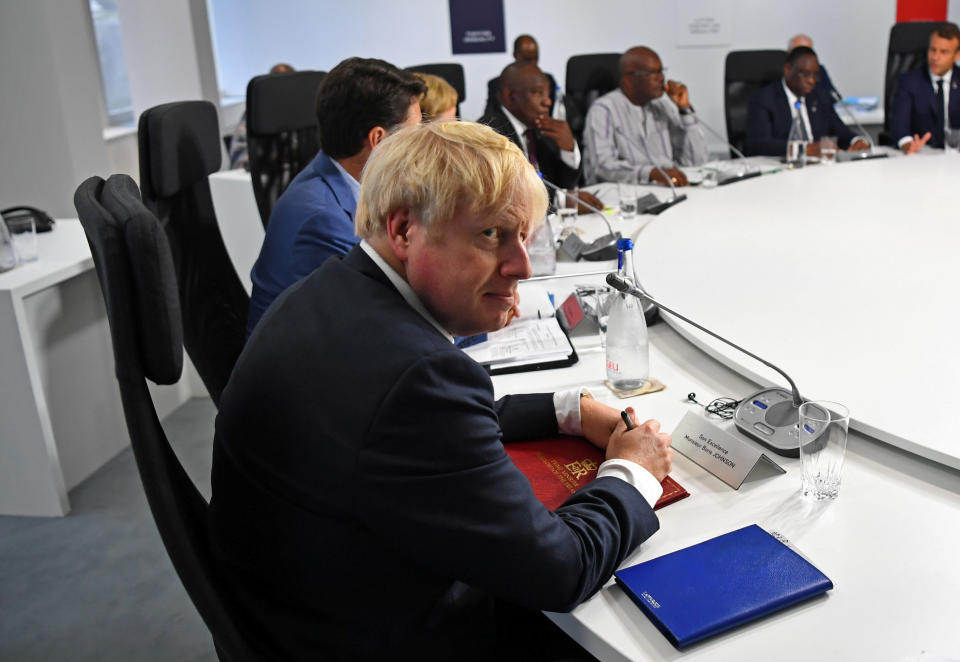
(179, 148)
(451, 72)
(906, 50)
(588, 77)
(743, 73)
(281, 132)
(134, 264)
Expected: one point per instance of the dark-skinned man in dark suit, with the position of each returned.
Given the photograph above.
(772, 109)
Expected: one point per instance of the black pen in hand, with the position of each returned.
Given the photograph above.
(626, 419)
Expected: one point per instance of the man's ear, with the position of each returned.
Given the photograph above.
(506, 97)
(375, 135)
(399, 223)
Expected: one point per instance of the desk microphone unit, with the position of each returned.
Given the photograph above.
(666, 204)
(732, 177)
(601, 248)
(769, 416)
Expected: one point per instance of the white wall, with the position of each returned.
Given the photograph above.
(51, 99)
(51, 104)
(849, 35)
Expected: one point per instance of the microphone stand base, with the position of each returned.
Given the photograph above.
(860, 155)
(730, 179)
(603, 248)
(665, 205)
(771, 418)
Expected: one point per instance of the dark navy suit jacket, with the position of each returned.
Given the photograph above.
(548, 152)
(769, 117)
(914, 107)
(311, 221)
(363, 505)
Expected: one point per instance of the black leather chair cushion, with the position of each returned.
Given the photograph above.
(906, 50)
(282, 102)
(743, 73)
(451, 72)
(587, 78)
(154, 281)
(184, 146)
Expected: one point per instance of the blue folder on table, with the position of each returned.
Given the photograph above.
(721, 583)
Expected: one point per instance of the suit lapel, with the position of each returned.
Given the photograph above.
(341, 190)
(954, 103)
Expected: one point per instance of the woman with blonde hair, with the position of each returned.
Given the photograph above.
(440, 101)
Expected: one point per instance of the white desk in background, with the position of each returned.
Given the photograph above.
(890, 543)
(60, 412)
(239, 220)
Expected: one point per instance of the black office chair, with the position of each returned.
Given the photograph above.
(588, 77)
(906, 50)
(136, 271)
(450, 72)
(179, 148)
(281, 132)
(743, 73)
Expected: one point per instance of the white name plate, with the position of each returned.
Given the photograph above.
(725, 456)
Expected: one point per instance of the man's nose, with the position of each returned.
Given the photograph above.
(516, 261)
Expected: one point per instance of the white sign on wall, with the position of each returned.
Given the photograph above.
(702, 23)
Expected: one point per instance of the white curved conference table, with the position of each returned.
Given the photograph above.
(889, 543)
(846, 277)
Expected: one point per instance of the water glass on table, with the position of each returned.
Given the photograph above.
(951, 141)
(567, 201)
(828, 150)
(23, 231)
(823, 443)
(628, 200)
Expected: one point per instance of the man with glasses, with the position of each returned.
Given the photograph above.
(648, 121)
(772, 109)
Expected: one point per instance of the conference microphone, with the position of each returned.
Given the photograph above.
(665, 204)
(770, 416)
(730, 177)
(602, 248)
(857, 155)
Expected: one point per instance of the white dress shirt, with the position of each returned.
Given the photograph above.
(792, 102)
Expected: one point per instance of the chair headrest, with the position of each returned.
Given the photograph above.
(593, 71)
(758, 66)
(153, 279)
(179, 146)
(282, 102)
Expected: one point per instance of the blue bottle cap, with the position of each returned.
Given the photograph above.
(624, 243)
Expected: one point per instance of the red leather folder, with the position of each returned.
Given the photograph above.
(558, 467)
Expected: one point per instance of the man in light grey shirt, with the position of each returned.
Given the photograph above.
(645, 122)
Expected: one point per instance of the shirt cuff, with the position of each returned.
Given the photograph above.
(861, 139)
(631, 472)
(567, 406)
(903, 141)
(571, 159)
